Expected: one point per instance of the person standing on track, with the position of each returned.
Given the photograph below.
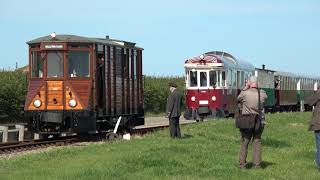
(173, 110)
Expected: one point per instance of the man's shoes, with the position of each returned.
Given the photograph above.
(242, 166)
(257, 167)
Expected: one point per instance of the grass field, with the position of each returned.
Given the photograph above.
(207, 151)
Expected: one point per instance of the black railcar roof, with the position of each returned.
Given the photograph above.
(80, 39)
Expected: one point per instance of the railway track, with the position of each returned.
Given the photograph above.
(7, 148)
(12, 147)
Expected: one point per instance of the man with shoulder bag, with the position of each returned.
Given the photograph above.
(251, 121)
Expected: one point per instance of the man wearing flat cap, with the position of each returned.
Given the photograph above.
(173, 110)
(252, 98)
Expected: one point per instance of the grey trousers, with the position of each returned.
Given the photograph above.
(174, 127)
(246, 137)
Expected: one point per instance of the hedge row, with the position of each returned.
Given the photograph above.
(13, 87)
(156, 92)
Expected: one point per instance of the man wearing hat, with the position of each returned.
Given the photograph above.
(249, 99)
(173, 110)
(314, 124)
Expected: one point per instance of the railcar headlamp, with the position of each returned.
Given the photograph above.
(53, 35)
(214, 98)
(72, 103)
(37, 103)
(193, 98)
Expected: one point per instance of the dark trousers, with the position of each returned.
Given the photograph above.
(246, 136)
(174, 127)
(317, 134)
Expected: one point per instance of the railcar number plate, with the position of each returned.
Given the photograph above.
(203, 102)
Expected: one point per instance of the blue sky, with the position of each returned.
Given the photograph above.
(284, 35)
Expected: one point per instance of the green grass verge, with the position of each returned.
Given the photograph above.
(207, 150)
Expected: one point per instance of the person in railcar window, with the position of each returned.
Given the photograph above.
(203, 79)
(79, 64)
(224, 82)
(277, 84)
(213, 78)
(193, 78)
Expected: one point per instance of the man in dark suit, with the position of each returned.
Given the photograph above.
(173, 110)
(314, 100)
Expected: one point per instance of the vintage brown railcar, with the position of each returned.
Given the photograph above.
(81, 84)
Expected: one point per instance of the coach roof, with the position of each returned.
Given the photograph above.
(231, 61)
(81, 39)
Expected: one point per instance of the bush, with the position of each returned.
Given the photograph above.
(156, 92)
(13, 87)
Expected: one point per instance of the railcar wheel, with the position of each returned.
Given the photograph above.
(112, 136)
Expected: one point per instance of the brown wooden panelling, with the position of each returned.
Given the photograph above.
(123, 86)
(141, 100)
(132, 80)
(71, 94)
(33, 88)
(41, 95)
(108, 74)
(128, 82)
(55, 95)
(123, 67)
(82, 89)
(114, 95)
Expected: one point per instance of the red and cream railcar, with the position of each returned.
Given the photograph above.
(213, 81)
(81, 84)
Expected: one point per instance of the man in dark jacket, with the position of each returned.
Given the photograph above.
(314, 100)
(173, 110)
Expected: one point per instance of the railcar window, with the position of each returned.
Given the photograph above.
(242, 79)
(213, 78)
(55, 64)
(234, 78)
(193, 79)
(203, 79)
(36, 65)
(79, 64)
(229, 78)
(223, 76)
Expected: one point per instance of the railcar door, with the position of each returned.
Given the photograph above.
(55, 84)
(204, 92)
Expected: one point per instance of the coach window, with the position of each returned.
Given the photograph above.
(36, 65)
(79, 64)
(54, 64)
(193, 79)
(203, 79)
(213, 78)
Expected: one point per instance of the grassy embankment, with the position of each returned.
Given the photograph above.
(207, 151)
